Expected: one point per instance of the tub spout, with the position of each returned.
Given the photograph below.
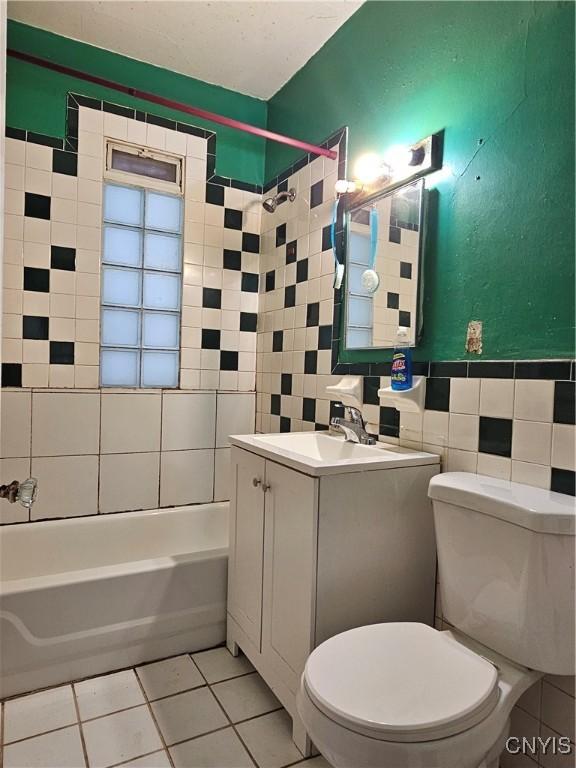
(25, 492)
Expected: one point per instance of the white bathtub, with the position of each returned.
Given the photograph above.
(88, 595)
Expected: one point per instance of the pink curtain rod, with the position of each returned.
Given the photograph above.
(177, 105)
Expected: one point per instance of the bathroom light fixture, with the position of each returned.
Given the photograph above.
(370, 167)
(343, 187)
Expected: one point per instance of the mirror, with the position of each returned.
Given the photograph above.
(383, 258)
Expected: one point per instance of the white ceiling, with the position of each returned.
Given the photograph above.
(250, 47)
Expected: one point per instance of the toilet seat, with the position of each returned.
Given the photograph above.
(403, 682)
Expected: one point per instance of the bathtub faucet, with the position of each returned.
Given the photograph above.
(24, 492)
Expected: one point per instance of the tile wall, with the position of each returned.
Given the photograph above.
(99, 451)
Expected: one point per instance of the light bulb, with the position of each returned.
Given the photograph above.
(343, 187)
(398, 157)
(368, 168)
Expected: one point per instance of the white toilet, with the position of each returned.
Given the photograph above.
(405, 695)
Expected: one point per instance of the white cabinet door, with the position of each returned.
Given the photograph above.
(289, 571)
(246, 542)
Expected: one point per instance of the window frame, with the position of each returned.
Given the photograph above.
(136, 179)
(141, 270)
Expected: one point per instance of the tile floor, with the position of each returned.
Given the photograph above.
(204, 710)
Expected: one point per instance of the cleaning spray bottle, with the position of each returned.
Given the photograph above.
(402, 361)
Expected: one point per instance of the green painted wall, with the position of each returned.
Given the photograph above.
(501, 245)
(36, 98)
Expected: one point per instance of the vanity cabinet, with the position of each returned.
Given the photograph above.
(311, 556)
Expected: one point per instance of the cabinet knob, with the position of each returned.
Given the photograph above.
(265, 487)
(256, 482)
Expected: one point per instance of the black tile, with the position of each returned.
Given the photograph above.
(359, 369)
(404, 318)
(277, 341)
(34, 327)
(71, 144)
(420, 368)
(117, 109)
(336, 409)
(62, 352)
(490, 370)
(317, 194)
(394, 235)
(313, 314)
(232, 259)
(284, 424)
(250, 242)
(11, 374)
(270, 280)
(212, 298)
(564, 411)
(249, 282)
(392, 300)
(211, 144)
(280, 235)
(302, 271)
(283, 186)
(437, 395)
(311, 361)
(141, 117)
(65, 162)
(495, 436)
(46, 141)
(308, 409)
(248, 321)
(36, 279)
(371, 385)
(211, 171)
(320, 427)
(275, 405)
(406, 270)
(389, 422)
(381, 369)
(232, 218)
(37, 206)
(72, 123)
(228, 361)
(327, 238)
(210, 338)
(88, 101)
(286, 383)
(451, 370)
(290, 296)
(291, 251)
(562, 481)
(246, 186)
(63, 258)
(325, 337)
(15, 133)
(551, 369)
(163, 122)
(214, 194)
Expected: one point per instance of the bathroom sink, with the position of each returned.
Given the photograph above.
(321, 453)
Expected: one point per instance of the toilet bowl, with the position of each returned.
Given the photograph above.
(405, 695)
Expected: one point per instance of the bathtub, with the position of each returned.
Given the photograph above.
(84, 596)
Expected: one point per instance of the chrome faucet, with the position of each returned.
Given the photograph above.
(352, 425)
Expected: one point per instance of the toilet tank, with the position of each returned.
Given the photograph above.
(506, 567)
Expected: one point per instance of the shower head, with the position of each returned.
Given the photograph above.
(271, 203)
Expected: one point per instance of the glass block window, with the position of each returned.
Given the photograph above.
(141, 288)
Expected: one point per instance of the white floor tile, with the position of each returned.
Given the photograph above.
(38, 713)
(269, 739)
(120, 737)
(188, 715)
(316, 762)
(156, 760)
(245, 697)
(222, 749)
(165, 678)
(110, 693)
(219, 664)
(59, 748)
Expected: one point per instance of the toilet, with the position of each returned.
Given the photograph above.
(405, 695)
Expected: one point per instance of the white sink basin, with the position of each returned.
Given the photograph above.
(320, 453)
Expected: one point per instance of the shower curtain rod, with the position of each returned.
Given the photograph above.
(177, 105)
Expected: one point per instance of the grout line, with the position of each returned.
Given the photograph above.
(1, 734)
(77, 708)
(153, 716)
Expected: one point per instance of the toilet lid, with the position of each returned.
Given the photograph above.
(401, 682)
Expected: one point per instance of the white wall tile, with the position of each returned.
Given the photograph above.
(67, 486)
(563, 446)
(15, 429)
(536, 475)
(222, 474)
(13, 469)
(531, 441)
(533, 400)
(234, 416)
(464, 395)
(463, 431)
(494, 466)
(188, 421)
(65, 424)
(497, 398)
(129, 481)
(435, 427)
(130, 423)
(187, 477)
